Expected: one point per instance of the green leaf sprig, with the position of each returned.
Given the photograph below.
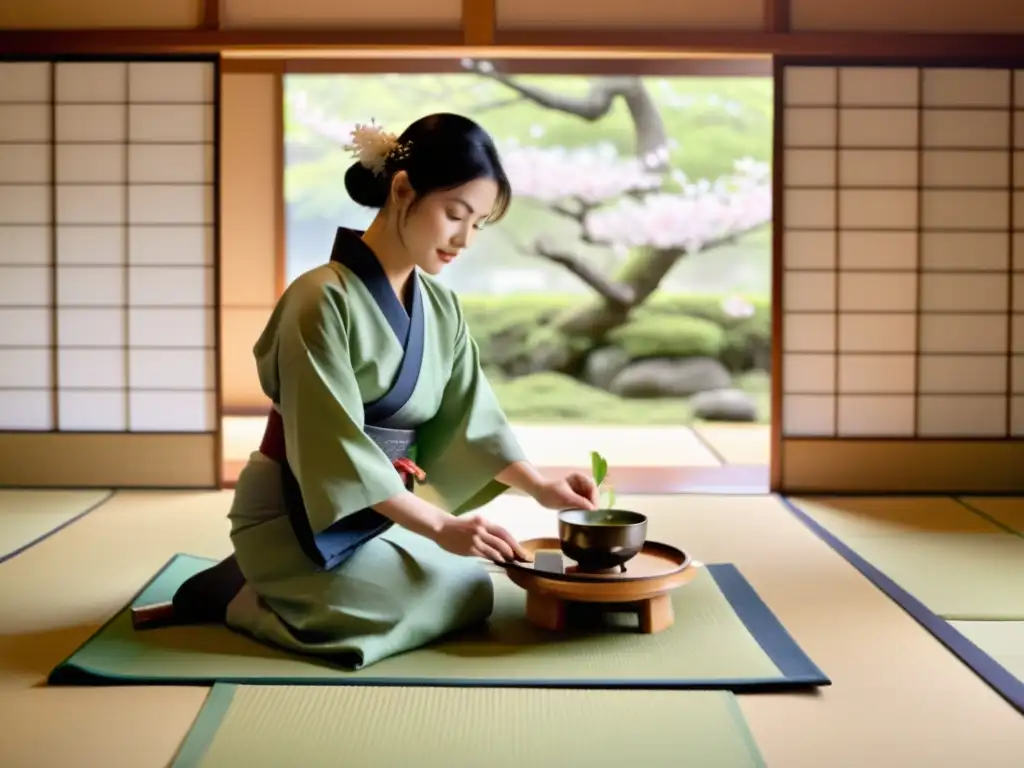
(599, 468)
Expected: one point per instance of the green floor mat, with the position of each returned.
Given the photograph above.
(1005, 511)
(1002, 640)
(29, 516)
(314, 726)
(960, 565)
(724, 637)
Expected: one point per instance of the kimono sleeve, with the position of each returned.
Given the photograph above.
(469, 441)
(338, 468)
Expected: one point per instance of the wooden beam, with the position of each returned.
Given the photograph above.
(479, 22)
(702, 67)
(441, 43)
(776, 15)
(211, 14)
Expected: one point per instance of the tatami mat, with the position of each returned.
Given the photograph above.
(898, 697)
(1005, 511)
(27, 516)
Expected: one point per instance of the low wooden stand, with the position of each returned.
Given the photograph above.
(549, 612)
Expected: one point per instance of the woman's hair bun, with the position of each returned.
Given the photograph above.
(367, 188)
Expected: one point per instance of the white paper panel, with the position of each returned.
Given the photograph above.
(878, 250)
(810, 86)
(171, 163)
(877, 374)
(810, 168)
(809, 332)
(876, 416)
(972, 334)
(26, 368)
(26, 327)
(965, 129)
(172, 411)
(90, 286)
(91, 122)
(26, 410)
(171, 286)
(971, 374)
(94, 411)
(810, 127)
(962, 416)
(171, 328)
(878, 209)
(808, 415)
(186, 369)
(809, 250)
(810, 208)
(91, 369)
(975, 87)
(25, 204)
(24, 163)
(24, 122)
(965, 251)
(25, 287)
(91, 327)
(969, 210)
(24, 81)
(171, 246)
(952, 168)
(170, 204)
(877, 168)
(170, 123)
(877, 292)
(879, 86)
(78, 245)
(965, 293)
(92, 81)
(77, 163)
(157, 82)
(878, 333)
(809, 373)
(1018, 417)
(888, 128)
(23, 246)
(91, 204)
(810, 291)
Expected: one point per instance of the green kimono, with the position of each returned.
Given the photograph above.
(339, 344)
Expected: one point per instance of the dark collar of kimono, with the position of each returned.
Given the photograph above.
(350, 249)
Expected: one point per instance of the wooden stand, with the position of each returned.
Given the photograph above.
(548, 612)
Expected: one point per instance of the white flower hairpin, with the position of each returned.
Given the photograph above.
(373, 146)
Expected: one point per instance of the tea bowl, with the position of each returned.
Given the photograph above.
(601, 539)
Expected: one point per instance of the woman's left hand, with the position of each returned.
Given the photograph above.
(574, 491)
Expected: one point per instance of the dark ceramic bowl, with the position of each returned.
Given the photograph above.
(601, 539)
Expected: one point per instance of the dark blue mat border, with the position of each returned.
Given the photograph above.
(983, 665)
(796, 667)
(73, 519)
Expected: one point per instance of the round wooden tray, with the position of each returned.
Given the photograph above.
(649, 577)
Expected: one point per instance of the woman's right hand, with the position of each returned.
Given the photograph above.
(477, 537)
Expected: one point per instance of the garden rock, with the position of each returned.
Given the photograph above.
(724, 405)
(661, 377)
(603, 365)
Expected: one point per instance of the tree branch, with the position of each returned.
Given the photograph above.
(611, 291)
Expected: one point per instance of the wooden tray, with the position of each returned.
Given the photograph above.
(649, 578)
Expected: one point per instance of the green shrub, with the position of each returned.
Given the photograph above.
(669, 336)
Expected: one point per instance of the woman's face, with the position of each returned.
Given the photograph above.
(443, 224)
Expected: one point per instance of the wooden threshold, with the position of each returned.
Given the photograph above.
(729, 479)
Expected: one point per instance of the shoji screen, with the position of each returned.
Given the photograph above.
(901, 287)
(26, 211)
(110, 243)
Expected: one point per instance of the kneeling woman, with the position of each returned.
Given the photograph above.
(374, 377)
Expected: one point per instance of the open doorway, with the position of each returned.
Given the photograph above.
(624, 304)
